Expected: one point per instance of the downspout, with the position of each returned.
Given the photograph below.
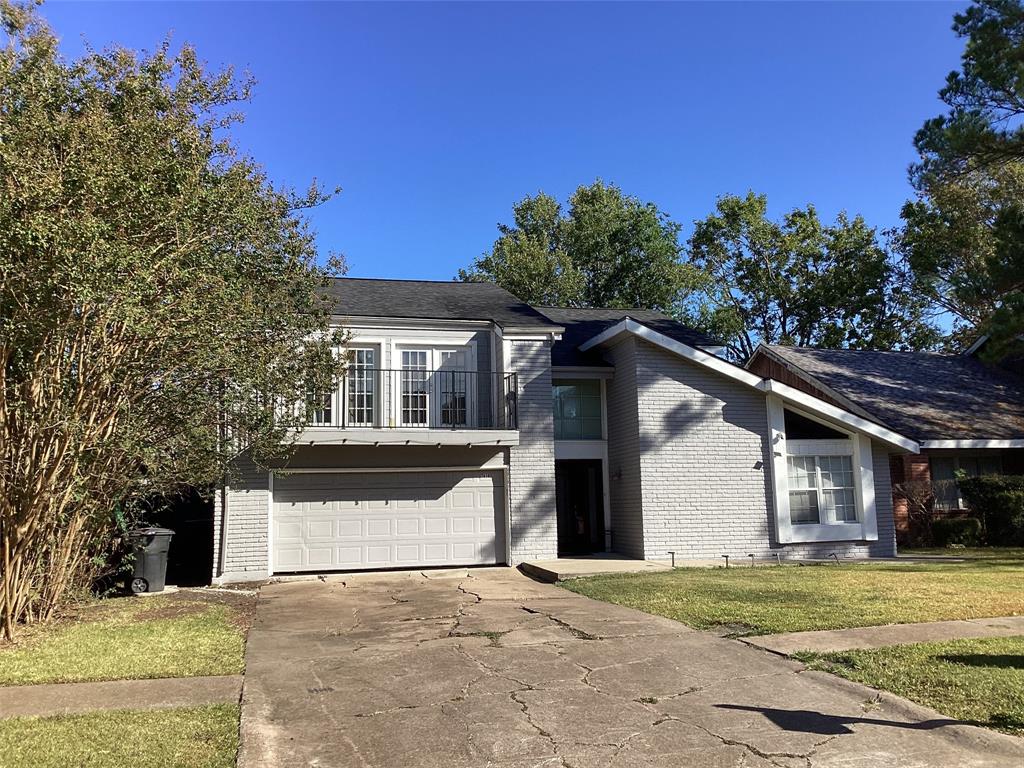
(222, 552)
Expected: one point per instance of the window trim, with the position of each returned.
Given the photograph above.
(866, 529)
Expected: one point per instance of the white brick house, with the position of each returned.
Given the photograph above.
(472, 428)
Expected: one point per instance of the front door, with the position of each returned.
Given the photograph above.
(579, 501)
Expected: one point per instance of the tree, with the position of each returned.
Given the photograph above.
(609, 249)
(160, 301)
(964, 244)
(798, 282)
(963, 239)
(986, 99)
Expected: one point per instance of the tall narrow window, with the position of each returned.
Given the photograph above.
(362, 387)
(821, 490)
(415, 396)
(452, 387)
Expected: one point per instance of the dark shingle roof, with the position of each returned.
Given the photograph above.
(433, 300)
(923, 395)
(584, 324)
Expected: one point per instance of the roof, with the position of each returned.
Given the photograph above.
(925, 395)
(583, 324)
(433, 300)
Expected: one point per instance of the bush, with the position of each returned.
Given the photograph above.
(999, 501)
(957, 531)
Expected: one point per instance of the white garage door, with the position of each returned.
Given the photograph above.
(328, 521)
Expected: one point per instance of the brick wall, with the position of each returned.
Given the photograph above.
(247, 497)
(911, 467)
(705, 467)
(532, 462)
(624, 452)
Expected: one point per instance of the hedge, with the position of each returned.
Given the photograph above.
(957, 531)
(999, 501)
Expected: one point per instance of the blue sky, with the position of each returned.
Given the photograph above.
(435, 118)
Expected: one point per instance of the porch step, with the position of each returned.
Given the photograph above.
(577, 567)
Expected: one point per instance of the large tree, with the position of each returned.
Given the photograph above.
(963, 237)
(606, 249)
(799, 281)
(160, 301)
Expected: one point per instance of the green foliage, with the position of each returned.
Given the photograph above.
(161, 305)
(963, 244)
(999, 501)
(986, 98)
(800, 281)
(607, 250)
(964, 238)
(957, 531)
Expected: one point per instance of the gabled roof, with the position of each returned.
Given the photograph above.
(926, 395)
(434, 300)
(784, 392)
(582, 324)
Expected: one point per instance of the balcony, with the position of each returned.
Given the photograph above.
(417, 406)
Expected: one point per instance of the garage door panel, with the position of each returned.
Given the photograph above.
(327, 521)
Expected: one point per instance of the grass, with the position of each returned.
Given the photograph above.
(791, 598)
(127, 639)
(199, 737)
(980, 681)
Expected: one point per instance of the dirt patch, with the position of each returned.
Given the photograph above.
(243, 603)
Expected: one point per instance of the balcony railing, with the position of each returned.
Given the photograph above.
(417, 398)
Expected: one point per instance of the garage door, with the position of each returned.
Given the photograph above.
(326, 521)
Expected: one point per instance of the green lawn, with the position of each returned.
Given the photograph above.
(793, 598)
(981, 681)
(200, 737)
(129, 638)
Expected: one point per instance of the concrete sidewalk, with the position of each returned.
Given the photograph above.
(827, 641)
(69, 698)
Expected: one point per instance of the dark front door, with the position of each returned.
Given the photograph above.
(579, 500)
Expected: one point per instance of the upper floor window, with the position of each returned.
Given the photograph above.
(577, 405)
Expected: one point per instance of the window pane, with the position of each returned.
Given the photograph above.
(943, 470)
(990, 465)
(577, 409)
(803, 507)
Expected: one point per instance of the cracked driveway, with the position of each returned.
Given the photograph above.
(487, 668)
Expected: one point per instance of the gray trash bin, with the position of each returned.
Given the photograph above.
(150, 545)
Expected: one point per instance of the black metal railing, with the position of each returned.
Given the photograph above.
(417, 398)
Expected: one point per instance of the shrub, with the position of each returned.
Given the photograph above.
(957, 531)
(999, 501)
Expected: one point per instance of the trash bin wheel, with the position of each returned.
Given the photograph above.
(138, 586)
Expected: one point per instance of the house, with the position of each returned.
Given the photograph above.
(966, 416)
(471, 428)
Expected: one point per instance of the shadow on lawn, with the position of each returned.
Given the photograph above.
(995, 660)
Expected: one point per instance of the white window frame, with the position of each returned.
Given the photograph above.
(378, 384)
(858, 446)
(434, 353)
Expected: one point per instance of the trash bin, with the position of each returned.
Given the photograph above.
(149, 545)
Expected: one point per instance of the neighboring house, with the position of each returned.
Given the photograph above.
(966, 415)
(471, 428)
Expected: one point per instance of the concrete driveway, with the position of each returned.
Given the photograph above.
(488, 668)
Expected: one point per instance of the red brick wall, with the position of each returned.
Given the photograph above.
(911, 467)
